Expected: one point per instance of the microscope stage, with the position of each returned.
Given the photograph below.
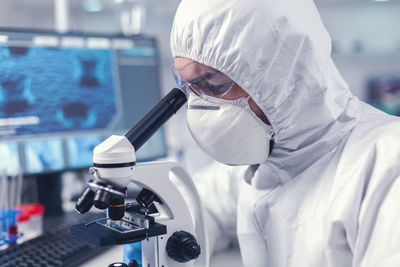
(106, 232)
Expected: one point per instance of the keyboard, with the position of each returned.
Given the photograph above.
(56, 247)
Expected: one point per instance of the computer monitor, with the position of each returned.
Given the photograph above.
(9, 162)
(62, 94)
(44, 155)
(80, 150)
(61, 90)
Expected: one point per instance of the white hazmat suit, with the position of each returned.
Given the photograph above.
(329, 194)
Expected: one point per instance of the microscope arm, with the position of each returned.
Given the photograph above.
(174, 186)
(167, 237)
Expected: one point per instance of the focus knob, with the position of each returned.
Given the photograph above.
(182, 247)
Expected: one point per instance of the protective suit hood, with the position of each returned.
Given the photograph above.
(279, 53)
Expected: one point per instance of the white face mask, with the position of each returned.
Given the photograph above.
(228, 130)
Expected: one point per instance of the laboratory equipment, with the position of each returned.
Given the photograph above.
(167, 216)
(30, 220)
(10, 197)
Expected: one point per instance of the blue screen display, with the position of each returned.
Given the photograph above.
(55, 90)
(80, 150)
(9, 162)
(44, 155)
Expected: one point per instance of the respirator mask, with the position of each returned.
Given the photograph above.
(228, 130)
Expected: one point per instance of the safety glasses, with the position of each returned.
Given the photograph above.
(210, 83)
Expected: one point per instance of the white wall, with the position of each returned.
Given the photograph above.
(373, 25)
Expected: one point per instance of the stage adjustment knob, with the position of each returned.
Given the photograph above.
(182, 247)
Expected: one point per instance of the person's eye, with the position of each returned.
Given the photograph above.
(210, 75)
(200, 83)
(221, 88)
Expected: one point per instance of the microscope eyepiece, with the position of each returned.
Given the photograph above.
(156, 118)
(85, 202)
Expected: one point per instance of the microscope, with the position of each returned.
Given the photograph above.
(167, 216)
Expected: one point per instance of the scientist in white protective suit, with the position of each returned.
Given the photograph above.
(319, 186)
